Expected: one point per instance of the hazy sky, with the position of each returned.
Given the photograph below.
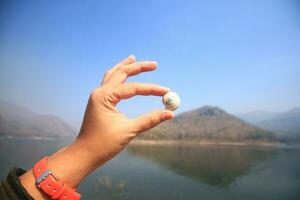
(239, 55)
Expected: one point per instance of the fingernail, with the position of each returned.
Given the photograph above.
(132, 56)
(167, 114)
(152, 63)
(166, 88)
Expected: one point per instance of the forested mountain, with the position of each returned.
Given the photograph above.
(207, 122)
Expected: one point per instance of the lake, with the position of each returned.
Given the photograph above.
(177, 171)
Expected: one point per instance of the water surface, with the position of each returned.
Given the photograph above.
(177, 172)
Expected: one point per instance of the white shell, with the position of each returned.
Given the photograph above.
(171, 101)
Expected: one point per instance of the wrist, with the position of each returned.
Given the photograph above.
(98, 149)
(72, 164)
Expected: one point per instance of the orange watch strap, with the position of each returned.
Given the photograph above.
(50, 184)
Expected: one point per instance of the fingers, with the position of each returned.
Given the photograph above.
(127, 90)
(139, 67)
(129, 60)
(152, 119)
(123, 72)
(127, 68)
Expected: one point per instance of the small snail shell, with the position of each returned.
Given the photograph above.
(171, 101)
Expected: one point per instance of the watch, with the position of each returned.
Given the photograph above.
(50, 184)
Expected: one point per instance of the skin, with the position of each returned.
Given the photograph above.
(105, 131)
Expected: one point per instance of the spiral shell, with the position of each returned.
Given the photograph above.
(171, 101)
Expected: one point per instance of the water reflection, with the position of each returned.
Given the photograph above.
(177, 172)
(210, 164)
(105, 182)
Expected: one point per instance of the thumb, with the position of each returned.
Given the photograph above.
(152, 119)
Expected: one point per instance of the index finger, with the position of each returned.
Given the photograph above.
(129, 90)
(122, 72)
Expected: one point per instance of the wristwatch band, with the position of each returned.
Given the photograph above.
(50, 184)
(14, 182)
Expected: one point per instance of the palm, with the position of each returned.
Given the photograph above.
(104, 125)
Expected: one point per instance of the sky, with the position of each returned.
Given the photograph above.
(239, 55)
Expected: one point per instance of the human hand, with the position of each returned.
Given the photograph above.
(105, 130)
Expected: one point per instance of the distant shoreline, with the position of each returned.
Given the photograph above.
(175, 142)
(36, 138)
(206, 142)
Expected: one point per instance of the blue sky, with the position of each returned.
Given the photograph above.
(239, 55)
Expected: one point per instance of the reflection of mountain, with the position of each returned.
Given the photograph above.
(207, 122)
(212, 165)
(16, 121)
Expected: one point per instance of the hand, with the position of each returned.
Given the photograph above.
(106, 131)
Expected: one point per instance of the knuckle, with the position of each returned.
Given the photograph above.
(152, 122)
(94, 95)
(110, 95)
(105, 95)
(133, 85)
(99, 92)
(122, 69)
(106, 92)
(115, 95)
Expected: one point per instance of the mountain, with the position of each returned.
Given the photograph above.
(285, 124)
(256, 116)
(207, 123)
(16, 121)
